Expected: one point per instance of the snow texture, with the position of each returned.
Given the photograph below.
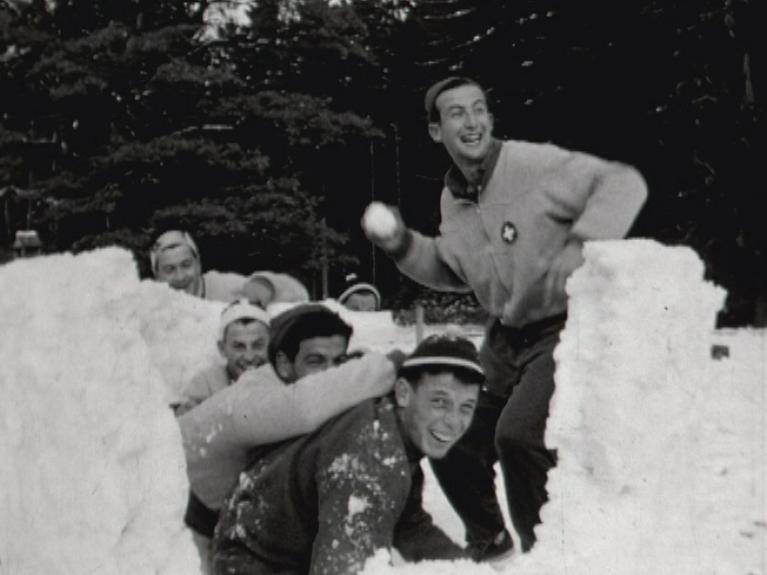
(180, 331)
(662, 449)
(92, 474)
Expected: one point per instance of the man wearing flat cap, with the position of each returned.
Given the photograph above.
(514, 217)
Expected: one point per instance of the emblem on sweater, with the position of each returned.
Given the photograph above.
(508, 232)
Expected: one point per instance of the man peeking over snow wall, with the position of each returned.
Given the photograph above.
(92, 475)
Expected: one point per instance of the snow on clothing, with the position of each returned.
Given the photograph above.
(228, 286)
(550, 196)
(259, 408)
(498, 238)
(324, 503)
(204, 384)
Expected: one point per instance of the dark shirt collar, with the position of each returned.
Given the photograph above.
(461, 188)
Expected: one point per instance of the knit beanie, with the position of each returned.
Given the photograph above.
(446, 351)
(239, 310)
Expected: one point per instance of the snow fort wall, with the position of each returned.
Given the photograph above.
(661, 462)
(92, 473)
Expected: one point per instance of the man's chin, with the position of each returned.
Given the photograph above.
(438, 451)
(475, 153)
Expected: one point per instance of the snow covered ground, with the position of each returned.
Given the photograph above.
(663, 448)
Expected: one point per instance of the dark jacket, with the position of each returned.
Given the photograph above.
(324, 503)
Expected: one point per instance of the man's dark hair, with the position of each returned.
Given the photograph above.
(430, 100)
(305, 321)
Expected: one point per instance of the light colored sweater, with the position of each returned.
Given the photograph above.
(228, 286)
(204, 384)
(550, 196)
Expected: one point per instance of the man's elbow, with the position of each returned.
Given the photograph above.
(632, 184)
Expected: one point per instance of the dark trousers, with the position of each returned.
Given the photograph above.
(509, 426)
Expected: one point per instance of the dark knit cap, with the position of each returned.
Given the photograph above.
(446, 351)
(311, 320)
(430, 100)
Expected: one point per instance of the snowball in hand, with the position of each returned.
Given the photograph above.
(379, 221)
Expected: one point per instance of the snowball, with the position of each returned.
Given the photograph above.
(92, 473)
(379, 221)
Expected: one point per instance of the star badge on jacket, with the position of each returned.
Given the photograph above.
(508, 232)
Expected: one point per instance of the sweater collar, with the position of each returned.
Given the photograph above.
(461, 188)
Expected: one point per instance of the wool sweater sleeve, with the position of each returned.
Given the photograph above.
(604, 197)
(281, 411)
(423, 260)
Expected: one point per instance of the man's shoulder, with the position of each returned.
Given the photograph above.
(214, 375)
(369, 426)
(247, 384)
(526, 150)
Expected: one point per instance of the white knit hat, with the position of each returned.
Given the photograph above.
(171, 239)
(241, 309)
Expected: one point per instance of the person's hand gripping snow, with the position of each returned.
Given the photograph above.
(384, 227)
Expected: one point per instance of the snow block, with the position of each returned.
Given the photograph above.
(180, 331)
(662, 465)
(92, 472)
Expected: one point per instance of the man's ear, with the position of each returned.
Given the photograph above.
(283, 366)
(435, 132)
(403, 391)
(220, 344)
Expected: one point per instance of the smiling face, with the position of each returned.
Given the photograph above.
(436, 411)
(179, 267)
(465, 124)
(314, 354)
(244, 346)
(361, 301)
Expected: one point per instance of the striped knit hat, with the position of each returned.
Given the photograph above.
(446, 351)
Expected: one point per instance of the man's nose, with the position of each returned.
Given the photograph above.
(453, 420)
(250, 355)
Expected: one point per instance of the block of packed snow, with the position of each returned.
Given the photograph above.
(92, 473)
(662, 465)
(180, 331)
